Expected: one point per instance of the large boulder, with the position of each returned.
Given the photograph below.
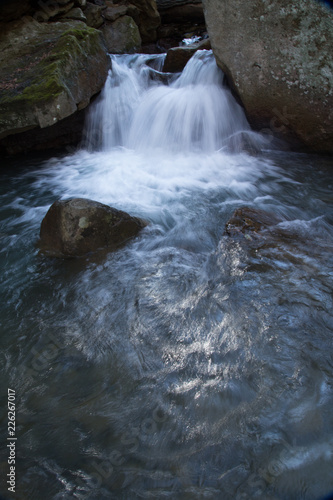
(278, 59)
(48, 72)
(78, 226)
(122, 36)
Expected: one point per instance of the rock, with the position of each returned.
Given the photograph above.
(40, 87)
(75, 14)
(279, 62)
(122, 36)
(77, 226)
(66, 133)
(177, 57)
(148, 19)
(93, 15)
(246, 221)
(112, 13)
(80, 3)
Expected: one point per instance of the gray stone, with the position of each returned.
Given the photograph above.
(93, 15)
(112, 13)
(122, 36)
(78, 226)
(278, 59)
(75, 14)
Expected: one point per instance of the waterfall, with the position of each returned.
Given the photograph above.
(141, 108)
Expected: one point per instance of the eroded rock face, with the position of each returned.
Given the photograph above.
(279, 61)
(78, 226)
(48, 72)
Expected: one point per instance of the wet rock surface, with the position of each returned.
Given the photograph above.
(247, 221)
(78, 226)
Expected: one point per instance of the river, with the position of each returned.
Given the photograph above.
(188, 364)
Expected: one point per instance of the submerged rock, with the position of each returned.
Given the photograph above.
(279, 61)
(78, 226)
(48, 72)
(246, 221)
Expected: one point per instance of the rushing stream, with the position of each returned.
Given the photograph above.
(187, 365)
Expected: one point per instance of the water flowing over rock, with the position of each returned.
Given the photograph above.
(196, 112)
(78, 226)
(41, 87)
(278, 59)
(246, 221)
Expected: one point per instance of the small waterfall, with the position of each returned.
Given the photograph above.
(194, 112)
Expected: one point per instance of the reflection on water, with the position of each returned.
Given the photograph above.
(186, 365)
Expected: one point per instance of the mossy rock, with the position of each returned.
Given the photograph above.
(48, 71)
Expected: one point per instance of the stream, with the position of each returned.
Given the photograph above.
(188, 364)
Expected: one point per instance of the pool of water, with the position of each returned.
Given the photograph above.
(188, 364)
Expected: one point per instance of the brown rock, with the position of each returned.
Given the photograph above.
(177, 57)
(246, 220)
(78, 226)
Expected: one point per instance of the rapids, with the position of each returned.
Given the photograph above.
(187, 365)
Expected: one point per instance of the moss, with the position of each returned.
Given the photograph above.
(44, 80)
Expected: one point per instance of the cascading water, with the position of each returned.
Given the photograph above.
(188, 364)
(195, 112)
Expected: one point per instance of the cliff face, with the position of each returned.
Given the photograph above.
(279, 62)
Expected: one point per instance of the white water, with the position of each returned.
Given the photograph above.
(195, 112)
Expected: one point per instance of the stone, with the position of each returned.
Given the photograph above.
(278, 59)
(39, 88)
(177, 57)
(80, 3)
(148, 19)
(112, 13)
(247, 220)
(93, 15)
(77, 226)
(122, 36)
(75, 14)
